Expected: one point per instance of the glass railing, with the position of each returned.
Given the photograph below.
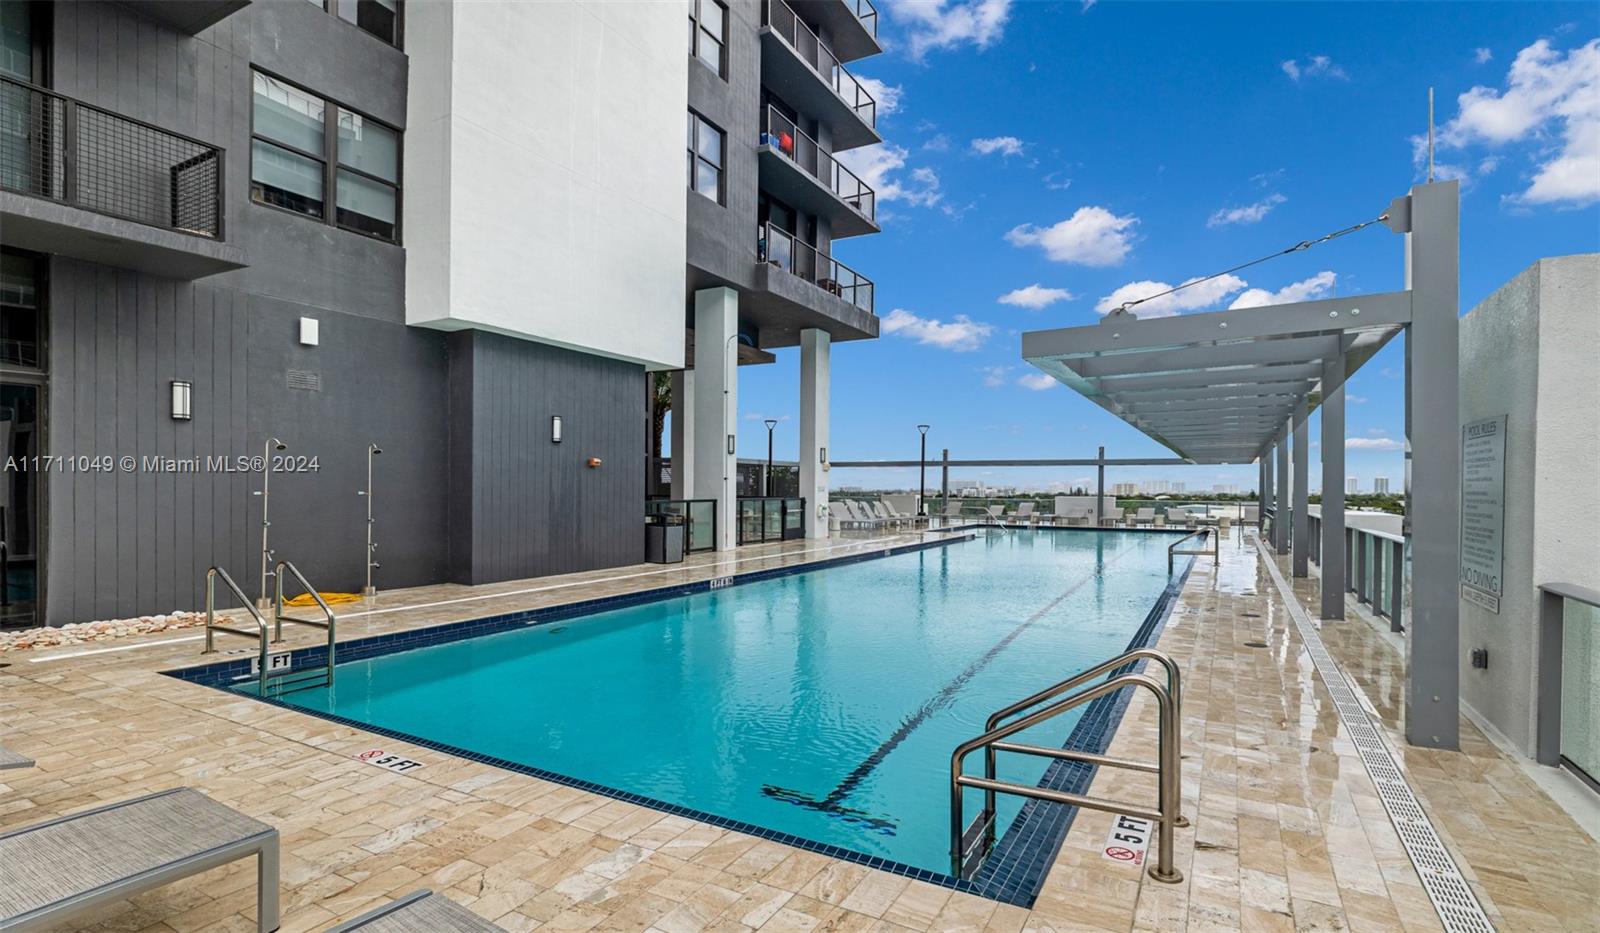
(763, 519)
(1570, 614)
(1375, 568)
(700, 519)
(867, 13)
(64, 150)
(793, 255)
(781, 133)
(782, 20)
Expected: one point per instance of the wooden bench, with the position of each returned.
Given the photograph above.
(61, 868)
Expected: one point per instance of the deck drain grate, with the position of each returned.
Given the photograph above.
(1453, 900)
(1255, 644)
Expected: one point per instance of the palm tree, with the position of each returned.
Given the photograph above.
(660, 404)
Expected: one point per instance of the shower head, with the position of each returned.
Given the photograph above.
(375, 448)
(278, 445)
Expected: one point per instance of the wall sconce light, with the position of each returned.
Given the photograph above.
(182, 400)
(732, 441)
(594, 462)
(555, 429)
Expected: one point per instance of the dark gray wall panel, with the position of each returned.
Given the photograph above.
(534, 507)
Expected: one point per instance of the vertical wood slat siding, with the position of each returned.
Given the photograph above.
(535, 507)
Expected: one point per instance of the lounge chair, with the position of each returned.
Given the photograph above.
(61, 868)
(417, 912)
(1251, 515)
(1145, 517)
(912, 520)
(996, 513)
(1025, 513)
(1179, 517)
(864, 515)
(952, 512)
(10, 759)
(881, 511)
(839, 513)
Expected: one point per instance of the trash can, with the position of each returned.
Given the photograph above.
(663, 539)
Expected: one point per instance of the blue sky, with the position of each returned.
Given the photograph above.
(1086, 149)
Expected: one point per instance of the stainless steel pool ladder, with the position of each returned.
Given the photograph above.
(288, 678)
(971, 844)
(1215, 552)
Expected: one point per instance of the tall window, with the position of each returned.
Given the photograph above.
(705, 157)
(708, 25)
(379, 17)
(294, 160)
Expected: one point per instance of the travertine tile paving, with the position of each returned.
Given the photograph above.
(1287, 832)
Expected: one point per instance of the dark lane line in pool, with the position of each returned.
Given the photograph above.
(831, 803)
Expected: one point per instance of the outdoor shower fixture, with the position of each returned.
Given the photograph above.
(271, 444)
(372, 549)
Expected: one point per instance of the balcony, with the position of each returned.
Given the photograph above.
(806, 73)
(81, 181)
(796, 287)
(850, 25)
(804, 175)
(188, 16)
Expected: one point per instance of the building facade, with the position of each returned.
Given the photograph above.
(250, 240)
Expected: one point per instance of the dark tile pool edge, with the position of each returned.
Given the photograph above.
(1013, 875)
(1015, 872)
(237, 670)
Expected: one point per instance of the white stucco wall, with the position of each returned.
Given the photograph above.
(1531, 351)
(544, 172)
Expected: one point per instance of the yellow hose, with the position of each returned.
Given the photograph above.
(332, 599)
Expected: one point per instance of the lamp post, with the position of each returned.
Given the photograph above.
(922, 471)
(766, 483)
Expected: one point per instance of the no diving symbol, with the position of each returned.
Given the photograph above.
(1121, 854)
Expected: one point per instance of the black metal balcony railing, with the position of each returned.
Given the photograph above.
(790, 253)
(781, 19)
(867, 13)
(781, 133)
(65, 150)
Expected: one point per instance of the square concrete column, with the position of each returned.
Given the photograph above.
(716, 407)
(1280, 524)
(1333, 570)
(683, 434)
(816, 354)
(1433, 436)
(1301, 546)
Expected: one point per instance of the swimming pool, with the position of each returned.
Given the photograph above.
(821, 704)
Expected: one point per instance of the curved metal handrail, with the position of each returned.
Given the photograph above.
(1167, 794)
(211, 614)
(1215, 552)
(278, 618)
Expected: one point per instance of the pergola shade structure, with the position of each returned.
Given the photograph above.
(1238, 386)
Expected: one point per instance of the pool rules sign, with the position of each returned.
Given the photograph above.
(1483, 510)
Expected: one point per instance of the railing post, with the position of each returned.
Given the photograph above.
(1397, 582)
(69, 150)
(1169, 793)
(211, 609)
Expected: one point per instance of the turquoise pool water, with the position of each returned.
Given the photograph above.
(822, 704)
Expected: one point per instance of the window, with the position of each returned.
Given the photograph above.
(294, 159)
(705, 158)
(21, 310)
(379, 17)
(708, 24)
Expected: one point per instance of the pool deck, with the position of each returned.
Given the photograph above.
(1288, 834)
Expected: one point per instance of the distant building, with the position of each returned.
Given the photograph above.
(1157, 486)
(1124, 489)
(1380, 485)
(1226, 489)
(1350, 485)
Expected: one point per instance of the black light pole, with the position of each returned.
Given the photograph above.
(766, 486)
(922, 471)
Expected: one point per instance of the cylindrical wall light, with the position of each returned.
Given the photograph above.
(555, 429)
(182, 400)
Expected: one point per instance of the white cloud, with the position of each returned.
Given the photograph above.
(1092, 236)
(1547, 94)
(1055, 182)
(960, 334)
(1317, 66)
(1356, 399)
(994, 376)
(1304, 290)
(1482, 55)
(1005, 145)
(880, 166)
(1035, 296)
(886, 95)
(1373, 443)
(1194, 298)
(939, 143)
(942, 24)
(1038, 382)
(758, 416)
(1248, 214)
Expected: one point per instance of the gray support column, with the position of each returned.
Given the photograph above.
(1100, 490)
(1268, 497)
(1332, 563)
(716, 403)
(1280, 524)
(1433, 442)
(816, 356)
(1301, 545)
(944, 481)
(683, 434)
